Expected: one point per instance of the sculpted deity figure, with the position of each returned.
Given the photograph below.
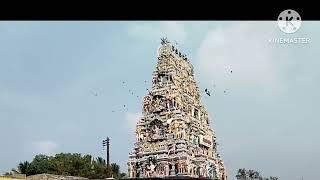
(149, 136)
(141, 137)
(152, 167)
(201, 170)
(146, 107)
(158, 102)
(162, 173)
(166, 173)
(189, 169)
(157, 130)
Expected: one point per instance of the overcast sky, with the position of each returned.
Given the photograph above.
(51, 72)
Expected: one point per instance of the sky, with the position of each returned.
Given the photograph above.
(60, 82)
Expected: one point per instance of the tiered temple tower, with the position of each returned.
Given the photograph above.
(173, 136)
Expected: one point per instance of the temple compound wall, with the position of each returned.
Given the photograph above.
(173, 136)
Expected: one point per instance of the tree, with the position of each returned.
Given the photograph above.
(23, 168)
(123, 175)
(273, 178)
(250, 174)
(242, 174)
(256, 175)
(41, 164)
(7, 174)
(115, 170)
(69, 164)
(101, 161)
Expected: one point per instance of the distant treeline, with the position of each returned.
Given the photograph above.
(69, 165)
(87, 166)
(244, 174)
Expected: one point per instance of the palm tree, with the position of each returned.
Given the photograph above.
(101, 161)
(253, 175)
(88, 158)
(23, 168)
(115, 169)
(242, 174)
(250, 174)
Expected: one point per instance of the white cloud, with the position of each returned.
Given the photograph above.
(171, 29)
(44, 147)
(243, 48)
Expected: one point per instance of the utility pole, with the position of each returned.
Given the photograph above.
(107, 143)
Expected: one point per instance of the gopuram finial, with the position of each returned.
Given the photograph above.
(164, 41)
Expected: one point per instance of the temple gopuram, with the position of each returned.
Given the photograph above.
(173, 136)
